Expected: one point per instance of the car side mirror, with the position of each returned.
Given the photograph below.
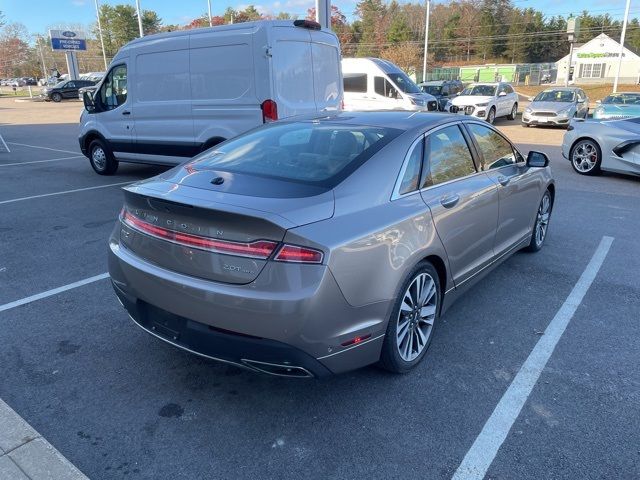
(89, 103)
(537, 159)
(502, 94)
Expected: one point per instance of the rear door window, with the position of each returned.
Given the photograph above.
(326, 75)
(411, 176)
(447, 157)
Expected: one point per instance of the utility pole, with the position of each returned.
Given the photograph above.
(573, 30)
(624, 32)
(44, 66)
(323, 13)
(104, 54)
(210, 20)
(139, 18)
(426, 43)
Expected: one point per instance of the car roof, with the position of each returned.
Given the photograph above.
(434, 82)
(400, 119)
(562, 89)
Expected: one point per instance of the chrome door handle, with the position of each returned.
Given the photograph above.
(504, 181)
(449, 201)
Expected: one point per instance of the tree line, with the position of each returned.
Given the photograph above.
(461, 32)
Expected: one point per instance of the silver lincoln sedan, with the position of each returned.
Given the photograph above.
(316, 246)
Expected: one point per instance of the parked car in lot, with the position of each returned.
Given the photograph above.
(593, 146)
(317, 246)
(556, 107)
(376, 84)
(487, 101)
(65, 89)
(442, 90)
(618, 106)
(189, 90)
(90, 89)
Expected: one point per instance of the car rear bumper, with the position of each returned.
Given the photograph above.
(290, 321)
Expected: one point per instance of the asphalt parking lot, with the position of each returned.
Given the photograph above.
(120, 404)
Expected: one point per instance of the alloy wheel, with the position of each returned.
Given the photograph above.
(99, 158)
(491, 117)
(542, 219)
(585, 156)
(416, 316)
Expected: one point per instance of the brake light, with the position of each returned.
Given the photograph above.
(296, 254)
(261, 249)
(307, 24)
(269, 111)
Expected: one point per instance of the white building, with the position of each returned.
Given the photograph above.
(597, 61)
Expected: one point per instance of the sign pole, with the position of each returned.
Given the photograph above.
(426, 43)
(210, 20)
(624, 32)
(72, 65)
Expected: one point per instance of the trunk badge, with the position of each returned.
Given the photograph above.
(217, 181)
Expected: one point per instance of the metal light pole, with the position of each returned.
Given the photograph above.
(104, 54)
(210, 20)
(566, 80)
(624, 32)
(139, 18)
(426, 43)
(44, 66)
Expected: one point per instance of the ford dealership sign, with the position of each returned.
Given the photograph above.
(67, 40)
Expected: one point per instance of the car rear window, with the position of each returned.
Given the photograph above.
(319, 153)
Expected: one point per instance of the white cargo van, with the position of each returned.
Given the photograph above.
(376, 84)
(169, 96)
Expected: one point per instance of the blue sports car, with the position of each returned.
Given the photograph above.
(618, 106)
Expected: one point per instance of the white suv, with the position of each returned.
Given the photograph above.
(487, 101)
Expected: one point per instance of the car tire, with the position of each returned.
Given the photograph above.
(586, 157)
(410, 328)
(101, 158)
(525, 125)
(491, 116)
(56, 97)
(541, 224)
(514, 112)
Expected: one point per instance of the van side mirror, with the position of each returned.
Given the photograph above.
(89, 103)
(537, 159)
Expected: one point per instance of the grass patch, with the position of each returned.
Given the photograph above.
(594, 92)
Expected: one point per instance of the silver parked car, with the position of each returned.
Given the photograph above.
(596, 145)
(311, 247)
(556, 107)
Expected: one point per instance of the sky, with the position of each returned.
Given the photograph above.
(40, 15)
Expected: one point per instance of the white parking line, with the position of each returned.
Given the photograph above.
(54, 291)
(42, 148)
(63, 193)
(39, 161)
(481, 454)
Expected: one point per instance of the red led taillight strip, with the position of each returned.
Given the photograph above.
(259, 249)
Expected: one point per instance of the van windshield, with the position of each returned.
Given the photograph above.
(404, 83)
(318, 153)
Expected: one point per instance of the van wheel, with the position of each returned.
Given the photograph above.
(414, 315)
(56, 97)
(101, 158)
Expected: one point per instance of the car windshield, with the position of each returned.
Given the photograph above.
(403, 82)
(319, 153)
(480, 90)
(555, 96)
(432, 89)
(60, 84)
(623, 98)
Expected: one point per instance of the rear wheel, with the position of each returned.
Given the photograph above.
(514, 112)
(586, 157)
(56, 97)
(101, 158)
(411, 324)
(491, 116)
(541, 226)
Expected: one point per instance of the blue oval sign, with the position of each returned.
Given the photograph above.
(69, 34)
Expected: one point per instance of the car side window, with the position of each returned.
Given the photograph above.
(113, 92)
(447, 157)
(411, 176)
(70, 85)
(355, 82)
(496, 152)
(445, 91)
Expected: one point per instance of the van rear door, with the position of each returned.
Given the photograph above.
(292, 67)
(327, 78)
